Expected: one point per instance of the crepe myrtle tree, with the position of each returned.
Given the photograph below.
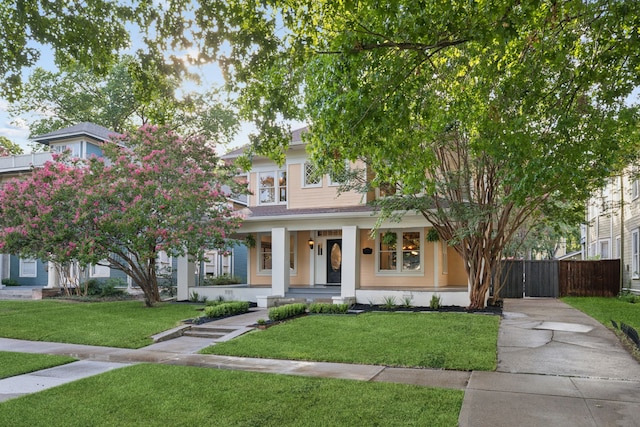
(152, 191)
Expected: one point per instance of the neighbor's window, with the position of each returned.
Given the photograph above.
(400, 245)
(28, 267)
(604, 249)
(100, 270)
(635, 254)
(266, 255)
(74, 148)
(272, 187)
(592, 250)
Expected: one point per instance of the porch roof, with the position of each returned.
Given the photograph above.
(269, 211)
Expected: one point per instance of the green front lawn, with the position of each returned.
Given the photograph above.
(159, 395)
(437, 340)
(125, 324)
(604, 310)
(12, 363)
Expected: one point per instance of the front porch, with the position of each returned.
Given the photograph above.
(339, 264)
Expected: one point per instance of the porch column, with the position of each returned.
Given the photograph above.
(52, 275)
(436, 264)
(186, 277)
(280, 268)
(350, 262)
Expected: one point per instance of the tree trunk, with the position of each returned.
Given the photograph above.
(480, 259)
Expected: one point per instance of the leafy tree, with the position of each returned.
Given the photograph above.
(90, 32)
(8, 147)
(153, 191)
(481, 115)
(120, 102)
(93, 34)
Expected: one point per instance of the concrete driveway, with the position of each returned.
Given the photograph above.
(556, 367)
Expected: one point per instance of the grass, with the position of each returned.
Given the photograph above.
(605, 309)
(160, 395)
(12, 363)
(457, 341)
(125, 324)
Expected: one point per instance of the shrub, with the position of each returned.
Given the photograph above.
(629, 297)
(287, 311)
(226, 309)
(109, 288)
(194, 297)
(222, 280)
(389, 302)
(93, 287)
(10, 282)
(216, 301)
(407, 300)
(435, 302)
(326, 308)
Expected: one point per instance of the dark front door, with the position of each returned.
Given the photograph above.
(334, 261)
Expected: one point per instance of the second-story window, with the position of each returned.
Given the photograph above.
(312, 176)
(272, 187)
(74, 148)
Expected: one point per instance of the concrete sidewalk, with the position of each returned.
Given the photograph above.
(556, 367)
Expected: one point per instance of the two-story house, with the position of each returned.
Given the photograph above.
(612, 227)
(83, 141)
(306, 240)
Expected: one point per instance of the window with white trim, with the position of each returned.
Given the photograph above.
(635, 183)
(100, 270)
(337, 177)
(592, 250)
(272, 187)
(265, 254)
(28, 267)
(312, 176)
(635, 254)
(604, 249)
(400, 252)
(74, 148)
(386, 189)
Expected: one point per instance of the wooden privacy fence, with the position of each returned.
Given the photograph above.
(590, 278)
(552, 278)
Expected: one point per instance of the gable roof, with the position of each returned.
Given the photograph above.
(296, 140)
(97, 132)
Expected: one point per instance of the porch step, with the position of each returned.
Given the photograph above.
(315, 294)
(210, 332)
(15, 294)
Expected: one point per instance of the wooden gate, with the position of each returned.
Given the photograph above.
(529, 279)
(552, 278)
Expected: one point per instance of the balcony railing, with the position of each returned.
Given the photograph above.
(23, 161)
